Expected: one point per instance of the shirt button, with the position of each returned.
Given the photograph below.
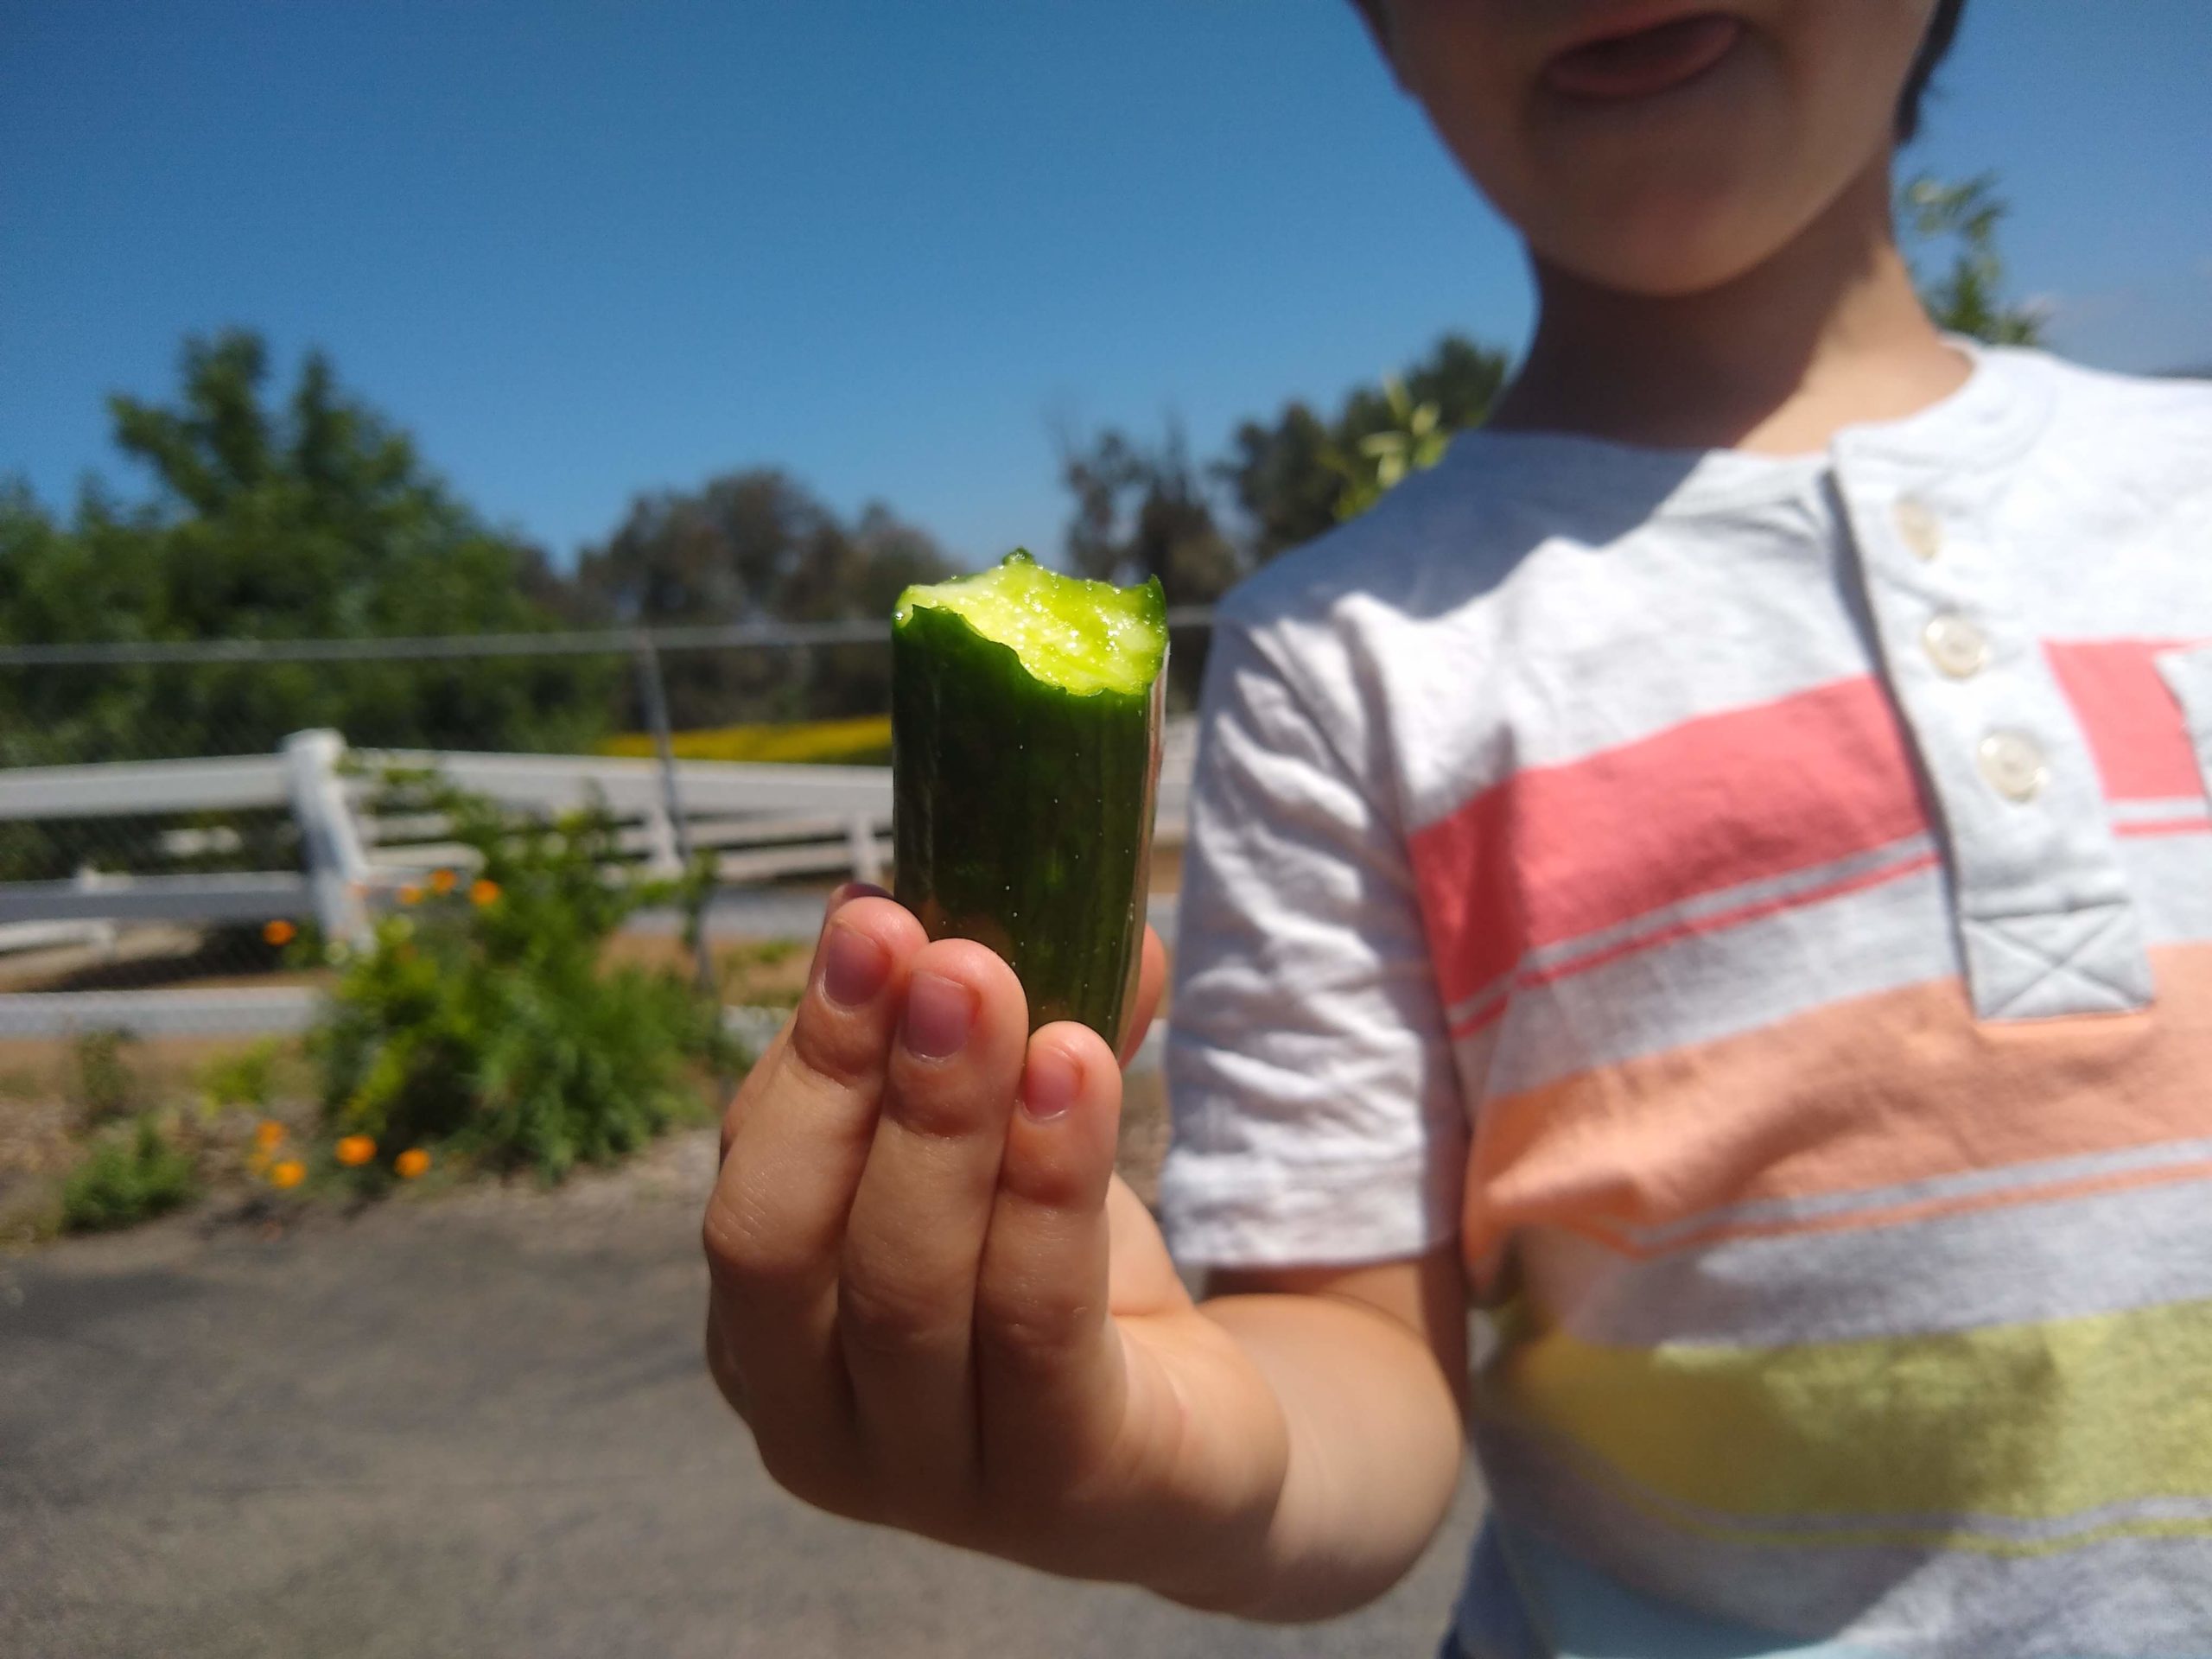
(1954, 646)
(1917, 527)
(2014, 765)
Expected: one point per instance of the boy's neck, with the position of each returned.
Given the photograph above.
(1826, 334)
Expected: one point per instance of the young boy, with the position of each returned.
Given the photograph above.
(1717, 872)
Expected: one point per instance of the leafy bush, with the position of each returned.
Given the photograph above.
(103, 1086)
(482, 1017)
(127, 1177)
(245, 1076)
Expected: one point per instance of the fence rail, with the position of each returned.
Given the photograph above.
(122, 789)
(761, 822)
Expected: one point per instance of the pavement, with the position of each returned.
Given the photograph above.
(478, 1424)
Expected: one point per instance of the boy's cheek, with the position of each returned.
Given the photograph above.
(1679, 189)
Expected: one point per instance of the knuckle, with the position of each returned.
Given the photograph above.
(1024, 1324)
(842, 1049)
(883, 1318)
(945, 1108)
(1051, 1188)
(743, 1254)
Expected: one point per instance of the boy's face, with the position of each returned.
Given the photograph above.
(1658, 146)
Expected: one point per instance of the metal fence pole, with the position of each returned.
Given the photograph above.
(654, 695)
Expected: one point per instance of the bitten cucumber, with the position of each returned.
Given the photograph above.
(1025, 756)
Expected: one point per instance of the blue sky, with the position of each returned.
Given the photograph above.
(583, 250)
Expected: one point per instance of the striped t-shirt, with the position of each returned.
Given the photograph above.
(1762, 907)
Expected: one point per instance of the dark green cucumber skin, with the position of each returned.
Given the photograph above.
(1022, 815)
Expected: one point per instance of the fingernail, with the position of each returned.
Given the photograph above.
(850, 891)
(939, 1012)
(854, 969)
(1049, 1087)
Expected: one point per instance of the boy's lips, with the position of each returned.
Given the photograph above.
(1643, 62)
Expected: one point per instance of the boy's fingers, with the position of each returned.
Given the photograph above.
(769, 1060)
(845, 892)
(1049, 1376)
(776, 1221)
(906, 1297)
(1152, 979)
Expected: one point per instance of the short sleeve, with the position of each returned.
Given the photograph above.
(1317, 1115)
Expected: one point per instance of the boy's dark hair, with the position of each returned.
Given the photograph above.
(1934, 46)
(1942, 27)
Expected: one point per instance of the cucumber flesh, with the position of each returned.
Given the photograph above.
(1025, 738)
(1079, 636)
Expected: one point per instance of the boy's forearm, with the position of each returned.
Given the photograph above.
(1375, 1444)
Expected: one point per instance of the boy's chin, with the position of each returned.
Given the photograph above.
(1658, 270)
(1667, 247)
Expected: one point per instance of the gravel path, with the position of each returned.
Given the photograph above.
(476, 1425)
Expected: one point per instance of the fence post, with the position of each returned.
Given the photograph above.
(860, 836)
(337, 869)
(654, 695)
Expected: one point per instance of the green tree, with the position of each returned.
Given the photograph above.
(1413, 440)
(312, 517)
(756, 546)
(1300, 475)
(1966, 296)
(1144, 511)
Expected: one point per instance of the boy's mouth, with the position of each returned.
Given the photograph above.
(1643, 62)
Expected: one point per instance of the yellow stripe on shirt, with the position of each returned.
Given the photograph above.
(1918, 1435)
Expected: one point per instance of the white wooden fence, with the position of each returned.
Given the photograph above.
(760, 822)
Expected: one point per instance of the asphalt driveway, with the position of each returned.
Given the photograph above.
(475, 1425)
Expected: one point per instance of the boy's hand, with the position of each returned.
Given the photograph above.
(938, 1308)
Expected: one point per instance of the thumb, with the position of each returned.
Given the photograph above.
(1152, 979)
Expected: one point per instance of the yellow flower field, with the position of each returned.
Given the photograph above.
(865, 741)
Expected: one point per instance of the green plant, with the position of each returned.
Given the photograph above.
(242, 1078)
(1969, 297)
(749, 976)
(103, 1085)
(1412, 440)
(480, 1018)
(757, 954)
(127, 1177)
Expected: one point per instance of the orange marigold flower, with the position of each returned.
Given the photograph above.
(482, 892)
(442, 880)
(290, 1172)
(411, 894)
(354, 1150)
(412, 1163)
(280, 933)
(269, 1134)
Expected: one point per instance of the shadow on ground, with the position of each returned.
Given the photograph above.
(476, 1427)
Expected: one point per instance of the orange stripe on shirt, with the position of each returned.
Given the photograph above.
(1558, 852)
(1853, 1097)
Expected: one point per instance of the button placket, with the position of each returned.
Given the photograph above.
(2045, 922)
